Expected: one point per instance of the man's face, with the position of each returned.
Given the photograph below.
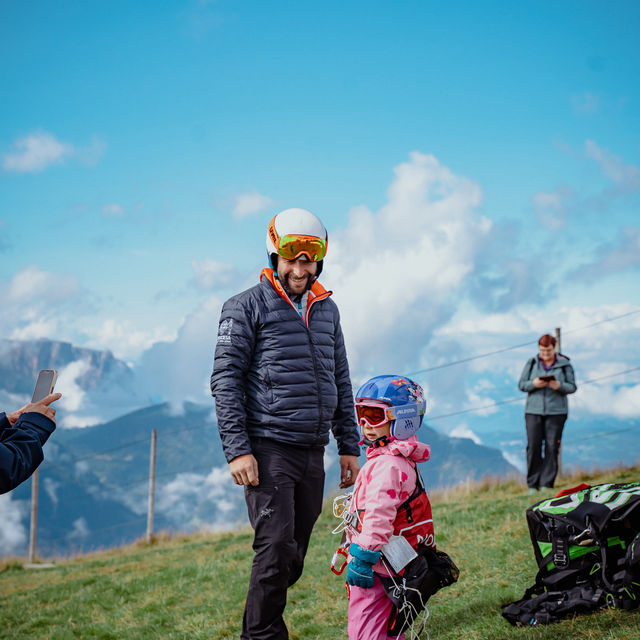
(296, 274)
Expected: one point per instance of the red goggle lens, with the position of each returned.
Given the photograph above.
(373, 415)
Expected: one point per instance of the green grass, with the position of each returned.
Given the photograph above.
(194, 586)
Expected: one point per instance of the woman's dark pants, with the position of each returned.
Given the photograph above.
(542, 471)
(282, 510)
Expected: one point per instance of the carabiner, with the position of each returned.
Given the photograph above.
(340, 551)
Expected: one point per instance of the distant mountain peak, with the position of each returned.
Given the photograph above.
(20, 361)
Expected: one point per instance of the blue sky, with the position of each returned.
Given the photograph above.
(477, 166)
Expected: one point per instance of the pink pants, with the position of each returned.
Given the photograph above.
(369, 611)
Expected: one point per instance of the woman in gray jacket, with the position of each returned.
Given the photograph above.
(548, 379)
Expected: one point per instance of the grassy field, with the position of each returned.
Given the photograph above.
(194, 586)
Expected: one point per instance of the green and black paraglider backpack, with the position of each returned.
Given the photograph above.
(586, 543)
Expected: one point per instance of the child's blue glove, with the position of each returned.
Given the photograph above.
(360, 567)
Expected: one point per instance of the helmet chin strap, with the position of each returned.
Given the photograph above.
(382, 441)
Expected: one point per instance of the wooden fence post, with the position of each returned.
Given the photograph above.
(558, 336)
(34, 517)
(152, 486)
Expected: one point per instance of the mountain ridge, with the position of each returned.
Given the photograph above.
(94, 480)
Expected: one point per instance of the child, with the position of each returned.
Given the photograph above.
(388, 500)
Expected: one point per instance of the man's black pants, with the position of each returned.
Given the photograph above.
(282, 510)
(542, 472)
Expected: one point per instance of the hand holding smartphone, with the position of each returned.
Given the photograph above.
(45, 383)
(547, 378)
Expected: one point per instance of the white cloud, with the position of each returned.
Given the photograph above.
(548, 201)
(586, 103)
(551, 207)
(247, 204)
(80, 529)
(517, 460)
(41, 328)
(13, 534)
(479, 397)
(81, 468)
(113, 209)
(608, 398)
(613, 257)
(179, 370)
(34, 302)
(84, 407)
(124, 339)
(77, 421)
(33, 284)
(463, 431)
(209, 274)
(36, 152)
(182, 497)
(40, 150)
(74, 396)
(625, 176)
(400, 270)
(91, 154)
(51, 487)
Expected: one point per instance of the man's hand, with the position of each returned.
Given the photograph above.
(37, 407)
(554, 384)
(349, 468)
(538, 383)
(244, 470)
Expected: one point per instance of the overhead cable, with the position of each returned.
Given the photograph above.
(516, 346)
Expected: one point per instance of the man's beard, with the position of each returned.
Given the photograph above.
(289, 291)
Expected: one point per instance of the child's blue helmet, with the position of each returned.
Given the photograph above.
(404, 397)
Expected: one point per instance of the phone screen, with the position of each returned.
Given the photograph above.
(44, 384)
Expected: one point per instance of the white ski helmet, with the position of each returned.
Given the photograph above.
(294, 233)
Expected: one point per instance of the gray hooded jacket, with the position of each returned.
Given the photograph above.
(546, 401)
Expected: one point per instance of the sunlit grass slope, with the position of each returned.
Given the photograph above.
(194, 586)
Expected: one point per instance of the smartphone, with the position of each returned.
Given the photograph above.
(547, 378)
(45, 383)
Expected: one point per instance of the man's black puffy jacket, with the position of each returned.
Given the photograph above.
(275, 377)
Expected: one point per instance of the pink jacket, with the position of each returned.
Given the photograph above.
(383, 484)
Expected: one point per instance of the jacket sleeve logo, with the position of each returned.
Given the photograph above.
(224, 331)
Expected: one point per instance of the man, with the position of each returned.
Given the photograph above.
(22, 436)
(547, 379)
(281, 381)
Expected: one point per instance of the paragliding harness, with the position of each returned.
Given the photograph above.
(429, 571)
(586, 542)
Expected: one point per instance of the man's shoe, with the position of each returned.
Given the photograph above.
(532, 491)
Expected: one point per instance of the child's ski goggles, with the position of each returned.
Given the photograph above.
(373, 413)
(377, 413)
(291, 247)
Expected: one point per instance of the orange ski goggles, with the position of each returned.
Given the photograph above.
(291, 246)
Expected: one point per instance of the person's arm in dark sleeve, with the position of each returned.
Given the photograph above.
(21, 447)
(234, 350)
(569, 384)
(526, 382)
(344, 427)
